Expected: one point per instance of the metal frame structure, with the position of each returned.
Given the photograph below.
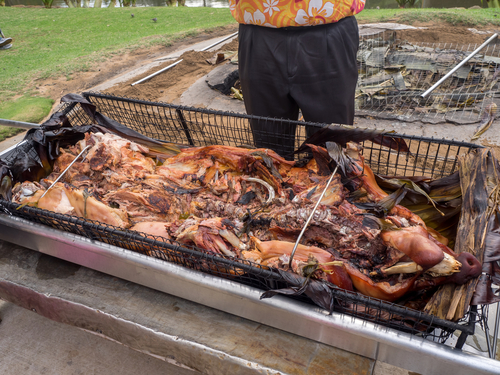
(349, 333)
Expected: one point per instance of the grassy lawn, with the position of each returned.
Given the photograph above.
(466, 17)
(58, 42)
(7, 132)
(28, 109)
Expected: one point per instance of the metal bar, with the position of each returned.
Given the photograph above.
(156, 73)
(18, 124)
(177, 62)
(219, 42)
(425, 94)
(348, 333)
(311, 216)
(184, 126)
(495, 333)
(63, 172)
(488, 343)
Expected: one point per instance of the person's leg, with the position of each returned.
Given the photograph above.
(263, 75)
(326, 72)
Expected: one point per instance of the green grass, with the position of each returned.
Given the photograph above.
(27, 109)
(7, 132)
(466, 17)
(58, 42)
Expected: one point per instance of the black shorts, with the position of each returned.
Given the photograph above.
(311, 68)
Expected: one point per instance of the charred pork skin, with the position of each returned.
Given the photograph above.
(251, 204)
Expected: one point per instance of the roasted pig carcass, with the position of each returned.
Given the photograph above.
(65, 199)
(252, 204)
(277, 253)
(215, 235)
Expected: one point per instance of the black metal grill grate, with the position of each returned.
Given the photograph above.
(199, 127)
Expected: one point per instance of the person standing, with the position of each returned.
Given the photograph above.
(296, 55)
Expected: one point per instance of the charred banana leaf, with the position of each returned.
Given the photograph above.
(479, 179)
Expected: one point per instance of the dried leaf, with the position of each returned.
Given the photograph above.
(492, 240)
(484, 294)
(5, 182)
(397, 144)
(338, 155)
(486, 120)
(322, 160)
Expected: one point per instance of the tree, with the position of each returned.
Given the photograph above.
(493, 3)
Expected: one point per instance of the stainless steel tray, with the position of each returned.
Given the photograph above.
(349, 333)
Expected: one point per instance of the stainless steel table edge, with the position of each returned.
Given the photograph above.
(341, 331)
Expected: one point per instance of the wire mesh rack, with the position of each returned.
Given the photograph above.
(199, 127)
(394, 73)
(246, 272)
(202, 127)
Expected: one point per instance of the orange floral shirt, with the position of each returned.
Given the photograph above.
(284, 13)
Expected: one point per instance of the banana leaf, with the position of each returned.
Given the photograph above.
(317, 291)
(438, 203)
(492, 248)
(484, 294)
(416, 190)
(446, 189)
(382, 207)
(479, 179)
(337, 154)
(322, 160)
(268, 161)
(487, 119)
(5, 181)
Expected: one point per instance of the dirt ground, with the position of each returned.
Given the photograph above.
(170, 85)
(439, 33)
(165, 87)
